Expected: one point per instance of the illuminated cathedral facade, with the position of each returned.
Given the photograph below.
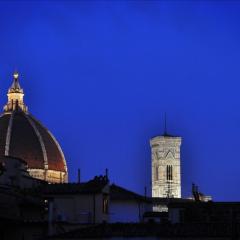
(23, 136)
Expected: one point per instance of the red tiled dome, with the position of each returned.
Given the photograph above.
(22, 136)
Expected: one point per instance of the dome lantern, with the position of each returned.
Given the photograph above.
(15, 96)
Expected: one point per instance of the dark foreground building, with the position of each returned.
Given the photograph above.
(31, 209)
(22, 209)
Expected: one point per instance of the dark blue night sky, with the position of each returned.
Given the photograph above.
(100, 76)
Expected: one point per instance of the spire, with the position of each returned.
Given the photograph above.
(15, 96)
(165, 133)
(15, 87)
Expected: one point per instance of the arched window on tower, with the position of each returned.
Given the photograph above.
(169, 173)
(156, 174)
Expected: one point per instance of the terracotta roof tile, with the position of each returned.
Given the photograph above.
(27, 145)
(55, 161)
(24, 142)
(93, 186)
(119, 193)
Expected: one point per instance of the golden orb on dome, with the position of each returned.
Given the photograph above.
(15, 75)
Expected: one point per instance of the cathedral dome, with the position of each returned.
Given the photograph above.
(22, 136)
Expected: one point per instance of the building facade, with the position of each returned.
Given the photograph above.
(22, 213)
(166, 166)
(127, 206)
(76, 204)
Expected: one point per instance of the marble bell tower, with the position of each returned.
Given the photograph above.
(166, 166)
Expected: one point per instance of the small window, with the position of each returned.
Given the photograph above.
(169, 173)
(156, 174)
(105, 204)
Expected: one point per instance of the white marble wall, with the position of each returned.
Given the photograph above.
(50, 176)
(166, 152)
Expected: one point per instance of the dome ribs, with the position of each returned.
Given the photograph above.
(4, 121)
(24, 142)
(56, 160)
(45, 158)
(8, 136)
(60, 151)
